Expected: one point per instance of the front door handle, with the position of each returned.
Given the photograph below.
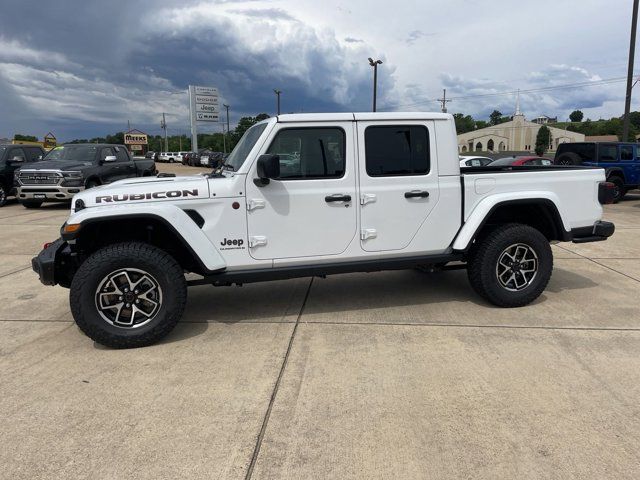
(416, 194)
(338, 197)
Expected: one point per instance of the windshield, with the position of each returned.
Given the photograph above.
(244, 146)
(73, 153)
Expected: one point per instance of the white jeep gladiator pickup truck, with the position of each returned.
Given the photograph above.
(313, 195)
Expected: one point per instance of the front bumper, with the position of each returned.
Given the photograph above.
(598, 232)
(45, 263)
(53, 193)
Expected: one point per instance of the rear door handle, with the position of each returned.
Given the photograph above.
(338, 197)
(416, 194)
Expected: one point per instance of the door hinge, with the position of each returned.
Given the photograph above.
(255, 203)
(367, 198)
(257, 241)
(367, 233)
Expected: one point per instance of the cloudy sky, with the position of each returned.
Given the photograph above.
(85, 68)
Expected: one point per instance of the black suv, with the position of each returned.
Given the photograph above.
(68, 169)
(13, 157)
(620, 160)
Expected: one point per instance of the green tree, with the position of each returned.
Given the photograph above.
(576, 116)
(543, 140)
(495, 118)
(464, 123)
(25, 138)
(481, 124)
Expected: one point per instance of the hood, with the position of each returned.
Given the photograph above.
(64, 165)
(146, 189)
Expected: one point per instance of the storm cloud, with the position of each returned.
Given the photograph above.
(87, 68)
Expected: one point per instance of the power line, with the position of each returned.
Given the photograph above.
(606, 81)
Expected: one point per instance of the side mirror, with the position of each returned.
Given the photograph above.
(109, 159)
(17, 160)
(268, 167)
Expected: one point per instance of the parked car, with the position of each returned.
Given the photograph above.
(474, 161)
(69, 169)
(523, 161)
(170, 157)
(12, 157)
(621, 161)
(150, 154)
(360, 193)
(186, 157)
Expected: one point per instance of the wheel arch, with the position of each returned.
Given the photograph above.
(615, 172)
(539, 212)
(168, 231)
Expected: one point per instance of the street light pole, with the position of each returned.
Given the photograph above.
(227, 108)
(278, 92)
(374, 64)
(632, 51)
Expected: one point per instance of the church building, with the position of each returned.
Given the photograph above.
(516, 135)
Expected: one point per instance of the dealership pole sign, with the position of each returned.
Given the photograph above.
(203, 107)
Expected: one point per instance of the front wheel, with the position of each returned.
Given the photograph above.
(3, 196)
(128, 295)
(511, 266)
(31, 203)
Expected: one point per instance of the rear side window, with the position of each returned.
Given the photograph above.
(586, 151)
(608, 153)
(397, 150)
(310, 153)
(626, 152)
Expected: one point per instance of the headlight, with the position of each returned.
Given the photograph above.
(72, 174)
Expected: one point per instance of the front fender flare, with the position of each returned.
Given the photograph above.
(173, 217)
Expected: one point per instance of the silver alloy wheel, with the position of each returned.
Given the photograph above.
(128, 298)
(517, 267)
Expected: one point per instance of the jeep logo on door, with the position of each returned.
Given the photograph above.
(232, 244)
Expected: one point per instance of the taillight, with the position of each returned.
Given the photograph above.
(46, 245)
(606, 193)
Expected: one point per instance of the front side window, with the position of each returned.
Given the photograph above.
(626, 152)
(121, 155)
(608, 153)
(307, 153)
(18, 153)
(105, 152)
(397, 150)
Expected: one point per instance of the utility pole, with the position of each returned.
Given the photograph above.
(632, 52)
(163, 126)
(444, 100)
(374, 64)
(278, 92)
(180, 141)
(224, 139)
(227, 107)
(128, 125)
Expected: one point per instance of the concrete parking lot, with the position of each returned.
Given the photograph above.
(386, 375)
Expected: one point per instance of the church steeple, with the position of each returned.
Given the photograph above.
(518, 112)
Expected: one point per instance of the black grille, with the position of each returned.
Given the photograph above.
(28, 178)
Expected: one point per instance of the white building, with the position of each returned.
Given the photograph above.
(517, 135)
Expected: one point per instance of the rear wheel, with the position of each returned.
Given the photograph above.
(92, 184)
(569, 159)
(618, 191)
(128, 295)
(31, 203)
(511, 266)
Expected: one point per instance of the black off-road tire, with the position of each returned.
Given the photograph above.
(137, 255)
(619, 191)
(569, 158)
(3, 195)
(92, 184)
(31, 203)
(483, 263)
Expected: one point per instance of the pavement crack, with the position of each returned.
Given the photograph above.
(14, 271)
(274, 393)
(601, 264)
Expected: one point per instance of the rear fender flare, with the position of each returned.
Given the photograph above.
(487, 206)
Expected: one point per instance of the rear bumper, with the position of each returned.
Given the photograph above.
(45, 263)
(598, 232)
